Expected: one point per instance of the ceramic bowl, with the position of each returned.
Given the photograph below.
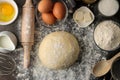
(12, 2)
(83, 9)
(111, 50)
(8, 41)
(108, 8)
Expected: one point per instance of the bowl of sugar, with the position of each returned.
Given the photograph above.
(108, 7)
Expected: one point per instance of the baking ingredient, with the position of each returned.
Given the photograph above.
(83, 16)
(51, 12)
(89, 1)
(6, 43)
(58, 50)
(59, 10)
(7, 12)
(108, 7)
(87, 17)
(48, 18)
(107, 35)
(45, 6)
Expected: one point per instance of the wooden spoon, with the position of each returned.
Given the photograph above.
(102, 67)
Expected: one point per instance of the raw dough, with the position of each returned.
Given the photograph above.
(58, 50)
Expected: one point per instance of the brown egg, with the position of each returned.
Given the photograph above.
(59, 10)
(48, 18)
(45, 6)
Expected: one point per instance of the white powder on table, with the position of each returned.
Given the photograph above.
(107, 35)
(108, 7)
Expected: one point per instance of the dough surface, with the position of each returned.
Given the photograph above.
(58, 50)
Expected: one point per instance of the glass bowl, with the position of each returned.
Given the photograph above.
(58, 22)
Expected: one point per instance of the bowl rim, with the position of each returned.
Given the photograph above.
(109, 15)
(94, 34)
(13, 3)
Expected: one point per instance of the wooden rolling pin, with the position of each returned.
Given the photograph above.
(27, 33)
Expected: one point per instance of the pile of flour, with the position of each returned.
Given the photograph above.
(107, 35)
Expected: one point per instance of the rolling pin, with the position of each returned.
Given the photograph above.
(27, 33)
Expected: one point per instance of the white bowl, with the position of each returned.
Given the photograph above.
(12, 2)
(83, 9)
(8, 41)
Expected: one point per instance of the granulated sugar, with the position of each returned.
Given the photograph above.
(108, 7)
(107, 35)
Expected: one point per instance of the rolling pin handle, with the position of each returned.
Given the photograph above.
(27, 49)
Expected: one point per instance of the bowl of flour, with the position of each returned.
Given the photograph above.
(107, 35)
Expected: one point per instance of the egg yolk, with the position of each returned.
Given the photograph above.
(6, 12)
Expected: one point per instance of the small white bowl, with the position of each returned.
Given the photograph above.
(12, 2)
(83, 9)
(8, 41)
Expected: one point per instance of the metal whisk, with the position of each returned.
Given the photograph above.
(7, 64)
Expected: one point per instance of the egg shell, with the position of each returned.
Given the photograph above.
(45, 6)
(59, 10)
(48, 18)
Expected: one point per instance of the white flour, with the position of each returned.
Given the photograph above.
(107, 35)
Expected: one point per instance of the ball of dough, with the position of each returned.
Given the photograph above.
(58, 50)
